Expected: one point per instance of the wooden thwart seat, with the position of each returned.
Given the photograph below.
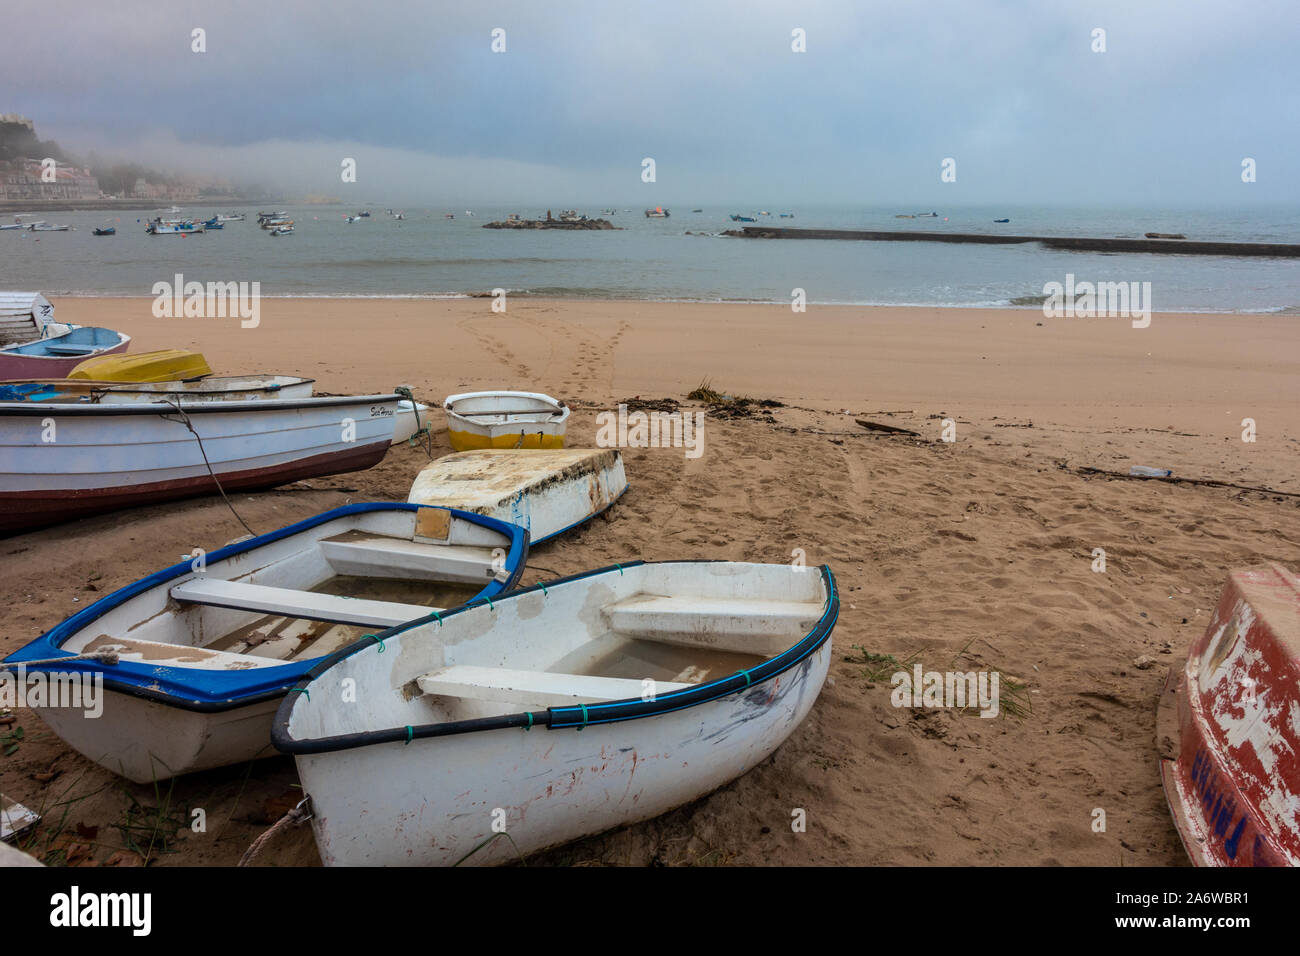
(726, 624)
(377, 555)
(304, 604)
(533, 688)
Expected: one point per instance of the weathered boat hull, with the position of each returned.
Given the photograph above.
(106, 457)
(1229, 728)
(483, 789)
(544, 492)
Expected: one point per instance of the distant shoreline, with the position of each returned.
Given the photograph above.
(75, 205)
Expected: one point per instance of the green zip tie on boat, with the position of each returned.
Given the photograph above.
(381, 643)
(301, 690)
(542, 585)
(491, 606)
(584, 716)
(620, 569)
(747, 679)
(409, 734)
(529, 715)
(438, 616)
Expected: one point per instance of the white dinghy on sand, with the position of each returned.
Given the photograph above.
(571, 708)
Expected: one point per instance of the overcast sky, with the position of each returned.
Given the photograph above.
(710, 89)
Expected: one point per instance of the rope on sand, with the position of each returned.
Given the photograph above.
(299, 814)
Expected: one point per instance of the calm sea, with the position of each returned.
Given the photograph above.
(680, 258)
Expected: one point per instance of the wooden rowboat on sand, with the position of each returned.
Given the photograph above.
(58, 355)
(206, 649)
(557, 711)
(161, 365)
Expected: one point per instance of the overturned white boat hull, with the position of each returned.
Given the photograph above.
(546, 492)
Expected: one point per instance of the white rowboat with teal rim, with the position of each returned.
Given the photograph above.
(555, 712)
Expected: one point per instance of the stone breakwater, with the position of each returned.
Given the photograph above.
(1077, 243)
(550, 224)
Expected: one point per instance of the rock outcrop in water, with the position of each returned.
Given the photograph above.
(550, 224)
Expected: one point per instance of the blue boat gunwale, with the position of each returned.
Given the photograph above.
(84, 335)
(214, 691)
(553, 718)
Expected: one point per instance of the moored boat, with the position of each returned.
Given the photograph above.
(160, 365)
(158, 228)
(546, 492)
(104, 231)
(206, 648)
(111, 456)
(505, 420)
(58, 355)
(283, 230)
(557, 711)
(1228, 727)
(738, 218)
(658, 212)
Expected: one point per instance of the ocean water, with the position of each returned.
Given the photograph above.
(680, 258)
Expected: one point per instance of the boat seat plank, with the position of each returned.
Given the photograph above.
(304, 604)
(71, 349)
(158, 654)
(741, 625)
(389, 557)
(533, 688)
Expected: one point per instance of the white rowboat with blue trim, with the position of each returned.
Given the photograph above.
(206, 648)
(556, 712)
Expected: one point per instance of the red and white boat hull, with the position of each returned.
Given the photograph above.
(1229, 728)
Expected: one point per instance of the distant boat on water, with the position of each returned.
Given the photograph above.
(106, 231)
(283, 230)
(658, 212)
(736, 218)
(697, 210)
(160, 227)
(233, 217)
(1001, 220)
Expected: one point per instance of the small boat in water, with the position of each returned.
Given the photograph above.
(113, 456)
(282, 231)
(206, 648)
(233, 217)
(505, 420)
(546, 492)
(213, 223)
(105, 231)
(58, 355)
(735, 218)
(1228, 727)
(160, 365)
(571, 707)
(47, 227)
(658, 212)
(159, 228)
(1001, 220)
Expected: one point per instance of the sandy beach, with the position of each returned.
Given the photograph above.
(977, 553)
